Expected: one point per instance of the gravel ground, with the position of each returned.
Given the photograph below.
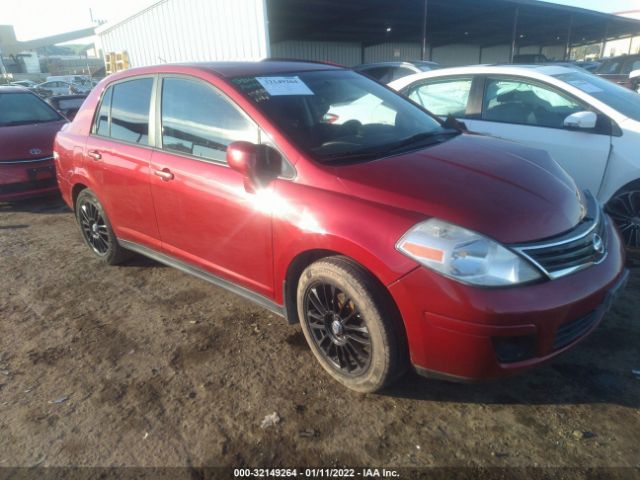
(142, 365)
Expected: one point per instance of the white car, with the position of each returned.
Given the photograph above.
(58, 87)
(589, 125)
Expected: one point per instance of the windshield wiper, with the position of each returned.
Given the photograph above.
(15, 123)
(436, 137)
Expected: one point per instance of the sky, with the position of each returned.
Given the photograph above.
(41, 18)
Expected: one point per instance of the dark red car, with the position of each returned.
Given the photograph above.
(618, 70)
(336, 203)
(28, 127)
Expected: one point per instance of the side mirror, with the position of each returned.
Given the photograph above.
(635, 75)
(581, 120)
(258, 164)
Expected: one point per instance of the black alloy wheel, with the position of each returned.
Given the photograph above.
(624, 209)
(94, 227)
(338, 328)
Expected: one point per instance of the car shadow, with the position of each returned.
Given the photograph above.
(50, 204)
(560, 383)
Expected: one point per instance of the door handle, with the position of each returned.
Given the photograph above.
(94, 154)
(165, 174)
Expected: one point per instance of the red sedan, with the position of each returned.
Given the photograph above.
(28, 127)
(331, 200)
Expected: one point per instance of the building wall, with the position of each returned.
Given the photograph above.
(342, 53)
(456, 55)
(496, 54)
(392, 52)
(190, 30)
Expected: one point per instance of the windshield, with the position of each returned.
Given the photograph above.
(24, 109)
(625, 101)
(341, 115)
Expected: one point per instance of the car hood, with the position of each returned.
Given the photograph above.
(23, 142)
(504, 190)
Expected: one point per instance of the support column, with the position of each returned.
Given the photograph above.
(514, 34)
(567, 49)
(604, 40)
(424, 31)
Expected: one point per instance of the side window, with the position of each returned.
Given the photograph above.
(101, 121)
(382, 74)
(400, 72)
(130, 110)
(521, 102)
(612, 67)
(630, 66)
(199, 121)
(443, 98)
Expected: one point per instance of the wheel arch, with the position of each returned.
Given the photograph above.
(303, 259)
(75, 191)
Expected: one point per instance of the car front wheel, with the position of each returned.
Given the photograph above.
(348, 327)
(624, 209)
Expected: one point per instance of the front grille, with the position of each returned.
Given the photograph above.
(570, 332)
(28, 186)
(583, 246)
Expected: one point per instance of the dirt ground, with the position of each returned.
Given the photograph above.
(142, 365)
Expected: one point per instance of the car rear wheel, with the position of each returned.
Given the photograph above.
(624, 209)
(350, 331)
(96, 229)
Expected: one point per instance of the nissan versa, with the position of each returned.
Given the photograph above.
(391, 238)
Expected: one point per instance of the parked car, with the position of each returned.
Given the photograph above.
(589, 65)
(27, 129)
(465, 255)
(68, 105)
(24, 83)
(619, 69)
(386, 72)
(57, 87)
(590, 126)
(530, 58)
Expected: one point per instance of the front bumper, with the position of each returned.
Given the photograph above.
(471, 333)
(27, 179)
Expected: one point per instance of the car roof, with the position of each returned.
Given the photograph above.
(508, 69)
(240, 69)
(394, 64)
(13, 89)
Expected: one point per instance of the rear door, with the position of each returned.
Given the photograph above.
(117, 156)
(205, 215)
(533, 113)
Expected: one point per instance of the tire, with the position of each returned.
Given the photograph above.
(96, 229)
(351, 331)
(624, 209)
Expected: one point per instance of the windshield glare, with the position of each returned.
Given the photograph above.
(337, 113)
(24, 109)
(625, 101)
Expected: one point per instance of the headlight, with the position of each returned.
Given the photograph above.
(464, 255)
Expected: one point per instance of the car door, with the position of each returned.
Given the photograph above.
(533, 113)
(117, 156)
(205, 215)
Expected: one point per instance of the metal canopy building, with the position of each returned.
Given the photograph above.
(453, 32)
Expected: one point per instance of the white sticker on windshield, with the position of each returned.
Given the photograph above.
(284, 86)
(585, 86)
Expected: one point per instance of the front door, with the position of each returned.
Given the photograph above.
(205, 215)
(533, 114)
